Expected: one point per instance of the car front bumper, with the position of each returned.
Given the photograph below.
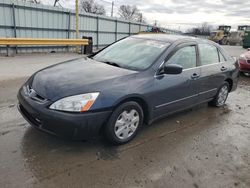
(76, 126)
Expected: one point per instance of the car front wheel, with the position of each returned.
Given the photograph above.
(124, 123)
(221, 96)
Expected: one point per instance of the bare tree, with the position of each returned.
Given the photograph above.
(91, 6)
(204, 29)
(141, 18)
(131, 13)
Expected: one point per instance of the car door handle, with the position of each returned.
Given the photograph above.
(223, 68)
(195, 76)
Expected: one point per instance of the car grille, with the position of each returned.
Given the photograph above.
(33, 94)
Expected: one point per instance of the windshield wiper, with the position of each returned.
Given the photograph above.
(111, 63)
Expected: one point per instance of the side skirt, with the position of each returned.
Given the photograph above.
(179, 110)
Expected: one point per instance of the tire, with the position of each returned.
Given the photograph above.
(220, 98)
(246, 74)
(124, 123)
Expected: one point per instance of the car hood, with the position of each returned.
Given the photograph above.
(75, 77)
(247, 55)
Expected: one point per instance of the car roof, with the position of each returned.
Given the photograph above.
(167, 37)
(170, 38)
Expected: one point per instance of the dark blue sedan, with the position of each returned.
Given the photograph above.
(127, 84)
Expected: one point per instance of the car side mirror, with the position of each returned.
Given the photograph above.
(172, 69)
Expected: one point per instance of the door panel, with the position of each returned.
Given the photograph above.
(212, 71)
(175, 92)
(210, 80)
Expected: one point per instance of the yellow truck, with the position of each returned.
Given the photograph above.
(221, 35)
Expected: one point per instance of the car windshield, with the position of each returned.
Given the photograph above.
(132, 53)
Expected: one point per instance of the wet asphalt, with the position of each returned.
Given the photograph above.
(200, 147)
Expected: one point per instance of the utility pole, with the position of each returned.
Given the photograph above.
(112, 9)
(140, 17)
(155, 24)
(77, 23)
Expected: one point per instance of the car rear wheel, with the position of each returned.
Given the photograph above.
(221, 96)
(124, 123)
(246, 74)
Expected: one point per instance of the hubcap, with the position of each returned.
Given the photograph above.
(222, 95)
(247, 74)
(126, 124)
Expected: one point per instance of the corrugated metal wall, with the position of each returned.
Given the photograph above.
(28, 20)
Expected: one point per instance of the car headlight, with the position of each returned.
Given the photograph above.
(76, 103)
(243, 57)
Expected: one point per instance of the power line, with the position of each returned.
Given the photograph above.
(110, 2)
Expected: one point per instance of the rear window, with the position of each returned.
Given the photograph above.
(227, 56)
(208, 54)
(222, 58)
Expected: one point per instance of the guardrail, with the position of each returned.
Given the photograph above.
(41, 41)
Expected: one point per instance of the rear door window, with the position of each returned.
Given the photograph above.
(186, 57)
(208, 54)
(222, 58)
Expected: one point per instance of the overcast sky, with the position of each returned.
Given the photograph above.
(183, 14)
